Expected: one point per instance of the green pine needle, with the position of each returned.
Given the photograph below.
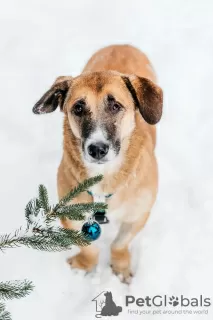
(32, 208)
(77, 211)
(9, 241)
(43, 198)
(55, 240)
(2, 307)
(84, 186)
(78, 238)
(45, 239)
(15, 289)
(4, 315)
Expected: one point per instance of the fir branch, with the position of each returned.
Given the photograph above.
(73, 237)
(77, 211)
(15, 289)
(2, 307)
(55, 240)
(8, 241)
(84, 186)
(46, 237)
(32, 209)
(4, 315)
(50, 239)
(43, 198)
(60, 239)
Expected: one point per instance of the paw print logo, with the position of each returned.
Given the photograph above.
(174, 301)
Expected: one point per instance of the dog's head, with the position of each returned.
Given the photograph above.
(101, 107)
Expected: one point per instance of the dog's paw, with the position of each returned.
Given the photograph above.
(120, 264)
(124, 274)
(82, 262)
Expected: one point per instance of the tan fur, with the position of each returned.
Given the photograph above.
(124, 59)
(134, 181)
(86, 259)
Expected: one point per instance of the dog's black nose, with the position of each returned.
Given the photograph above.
(98, 150)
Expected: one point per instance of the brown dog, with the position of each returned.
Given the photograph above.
(109, 116)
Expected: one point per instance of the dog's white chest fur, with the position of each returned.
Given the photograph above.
(110, 167)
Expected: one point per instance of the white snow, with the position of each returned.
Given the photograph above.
(41, 40)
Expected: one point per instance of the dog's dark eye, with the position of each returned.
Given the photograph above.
(78, 108)
(114, 107)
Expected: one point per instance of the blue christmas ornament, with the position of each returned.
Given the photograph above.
(91, 229)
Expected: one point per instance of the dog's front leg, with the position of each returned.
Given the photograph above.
(87, 258)
(120, 255)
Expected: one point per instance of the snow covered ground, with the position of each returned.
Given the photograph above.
(41, 40)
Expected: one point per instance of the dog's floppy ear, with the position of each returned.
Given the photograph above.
(147, 97)
(54, 97)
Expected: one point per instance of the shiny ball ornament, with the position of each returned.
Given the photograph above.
(92, 230)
